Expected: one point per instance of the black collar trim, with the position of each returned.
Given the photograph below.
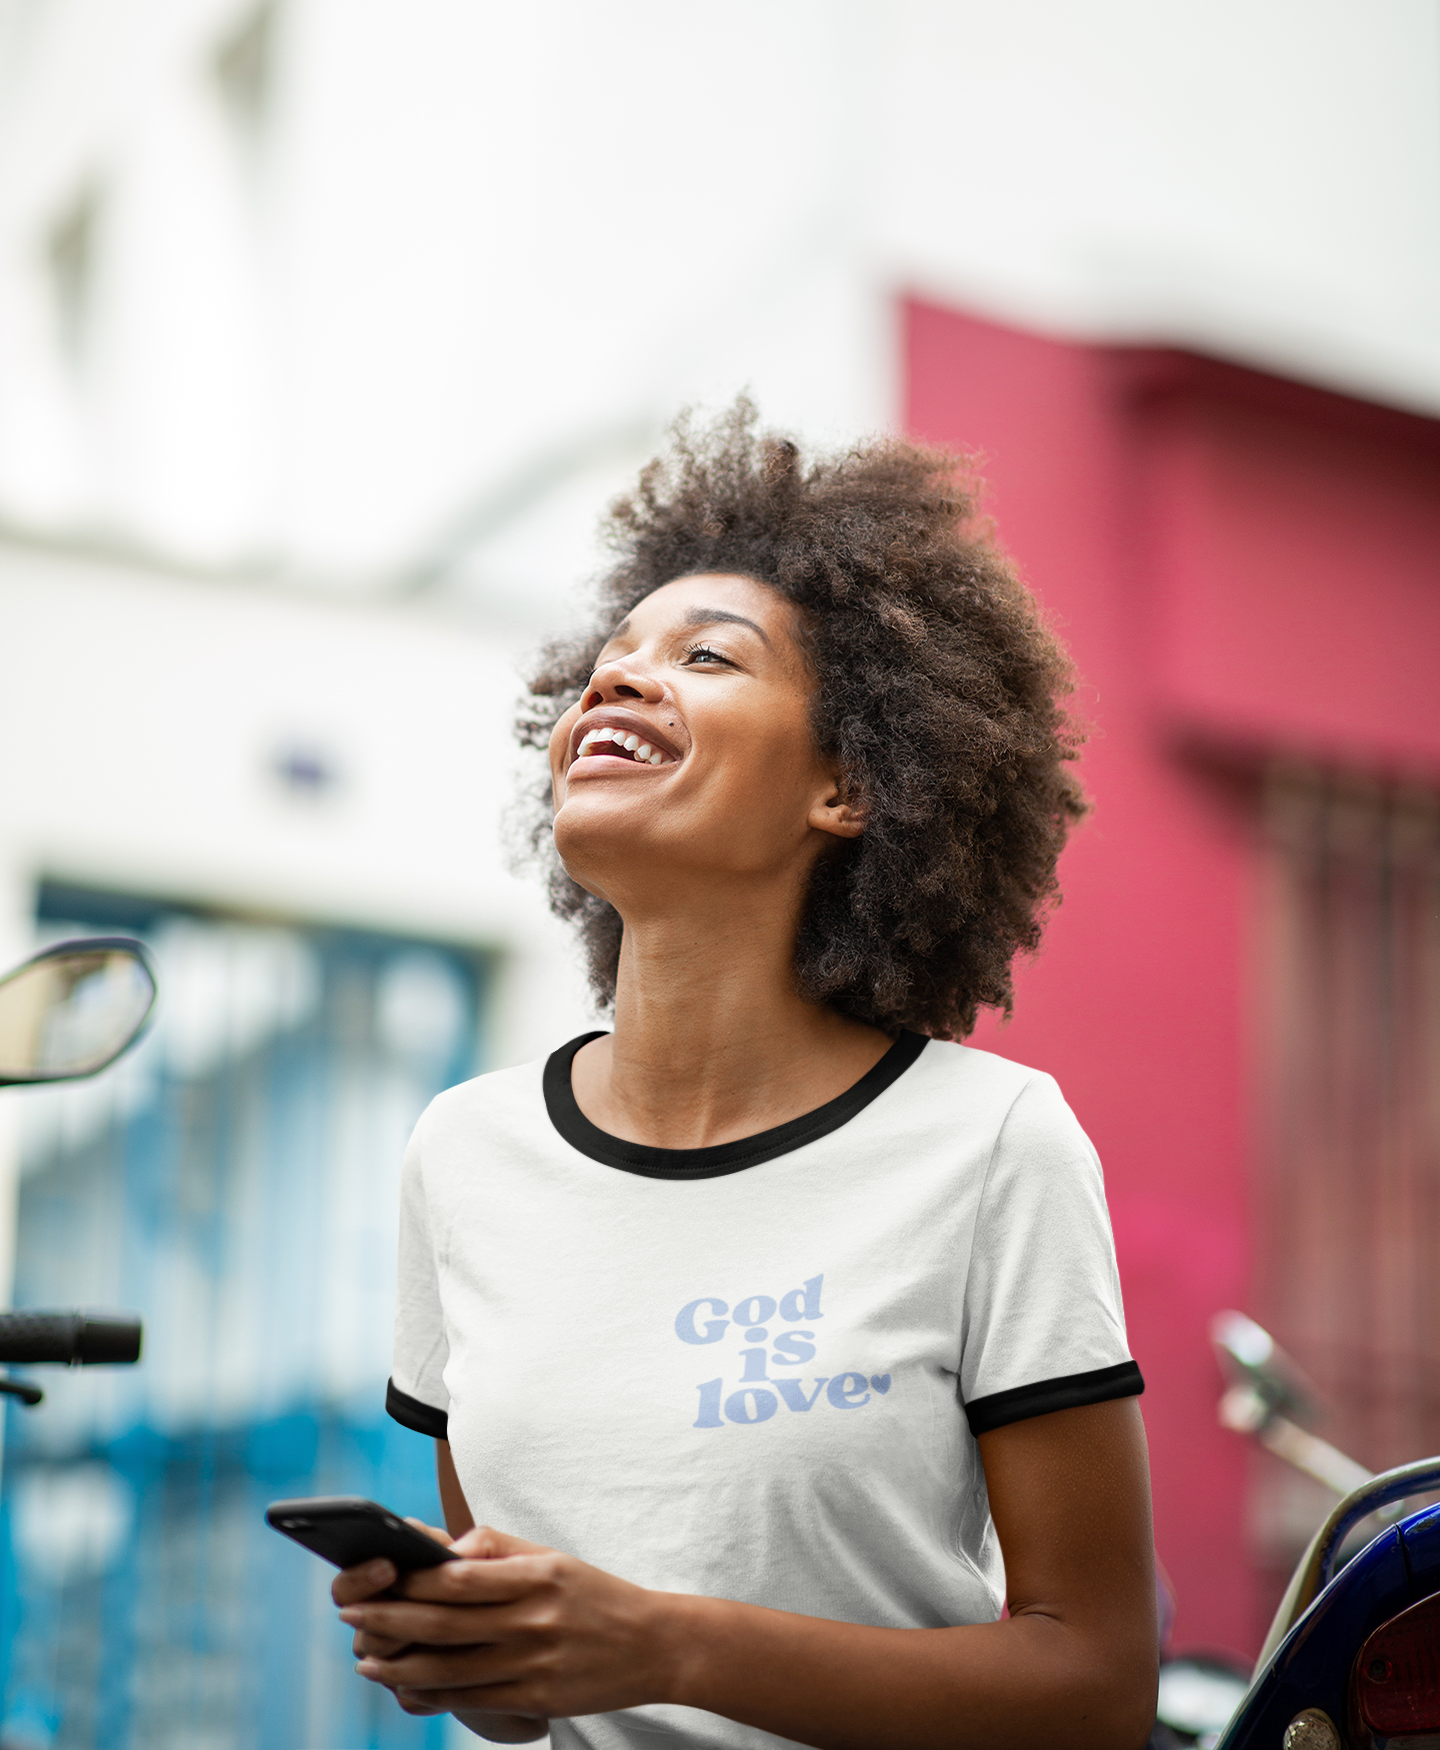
(723, 1157)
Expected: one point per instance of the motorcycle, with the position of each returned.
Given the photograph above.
(65, 1014)
(1352, 1659)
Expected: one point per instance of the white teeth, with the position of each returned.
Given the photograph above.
(642, 750)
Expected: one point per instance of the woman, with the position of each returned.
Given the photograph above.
(777, 1336)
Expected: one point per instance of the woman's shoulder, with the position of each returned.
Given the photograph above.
(998, 1096)
(976, 1074)
(496, 1096)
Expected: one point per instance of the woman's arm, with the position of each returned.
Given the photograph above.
(529, 1631)
(458, 1517)
(1073, 1666)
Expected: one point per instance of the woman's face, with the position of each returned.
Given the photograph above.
(690, 749)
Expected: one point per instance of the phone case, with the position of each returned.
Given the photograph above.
(347, 1530)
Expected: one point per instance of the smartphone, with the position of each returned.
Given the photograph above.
(348, 1530)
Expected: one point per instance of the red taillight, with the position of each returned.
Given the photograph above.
(1396, 1683)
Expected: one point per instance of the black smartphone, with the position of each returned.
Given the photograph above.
(348, 1530)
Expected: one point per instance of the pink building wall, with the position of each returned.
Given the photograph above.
(1241, 567)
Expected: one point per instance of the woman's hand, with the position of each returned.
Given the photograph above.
(359, 1586)
(513, 1629)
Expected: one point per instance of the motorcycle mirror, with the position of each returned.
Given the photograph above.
(1255, 1364)
(72, 1009)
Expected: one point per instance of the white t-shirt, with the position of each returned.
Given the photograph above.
(756, 1371)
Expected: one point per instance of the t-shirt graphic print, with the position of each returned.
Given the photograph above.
(756, 1371)
(757, 1395)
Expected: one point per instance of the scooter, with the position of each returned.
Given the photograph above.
(1352, 1659)
(67, 1013)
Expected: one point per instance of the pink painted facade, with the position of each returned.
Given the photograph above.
(1244, 569)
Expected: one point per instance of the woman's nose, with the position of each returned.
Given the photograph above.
(620, 680)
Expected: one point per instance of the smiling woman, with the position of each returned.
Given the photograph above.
(776, 1300)
(933, 687)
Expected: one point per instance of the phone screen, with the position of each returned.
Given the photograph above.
(348, 1530)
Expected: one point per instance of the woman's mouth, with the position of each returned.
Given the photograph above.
(622, 744)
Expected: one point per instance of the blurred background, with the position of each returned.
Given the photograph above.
(327, 328)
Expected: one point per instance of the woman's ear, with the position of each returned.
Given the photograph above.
(836, 813)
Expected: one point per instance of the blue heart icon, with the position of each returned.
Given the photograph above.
(881, 1382)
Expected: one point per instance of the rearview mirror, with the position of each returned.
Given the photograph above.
(73, 1009)
(1254, 1363)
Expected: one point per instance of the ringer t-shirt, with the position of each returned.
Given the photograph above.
(756, 1371)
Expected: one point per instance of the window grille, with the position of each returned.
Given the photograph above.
(1349, 1182)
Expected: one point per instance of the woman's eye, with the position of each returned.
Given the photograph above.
(706, 653)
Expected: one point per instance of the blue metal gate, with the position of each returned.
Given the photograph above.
(234, 1181)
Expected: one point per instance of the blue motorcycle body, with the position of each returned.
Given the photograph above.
(1316, 1666)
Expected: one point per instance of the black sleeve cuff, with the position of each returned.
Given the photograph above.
(1068, 1393)
(411, 1413)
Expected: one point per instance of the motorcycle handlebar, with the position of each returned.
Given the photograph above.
(71, 1339)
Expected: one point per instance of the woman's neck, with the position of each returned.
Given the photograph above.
(712, 1041)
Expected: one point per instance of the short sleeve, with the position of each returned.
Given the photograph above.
(1044, 1326)
(416, 1395)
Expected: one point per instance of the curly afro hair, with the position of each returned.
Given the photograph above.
(938, 695)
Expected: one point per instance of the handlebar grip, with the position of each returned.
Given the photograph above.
(72, 1339)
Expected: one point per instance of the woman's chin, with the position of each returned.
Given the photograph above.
(596, 808)
(594, 842)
